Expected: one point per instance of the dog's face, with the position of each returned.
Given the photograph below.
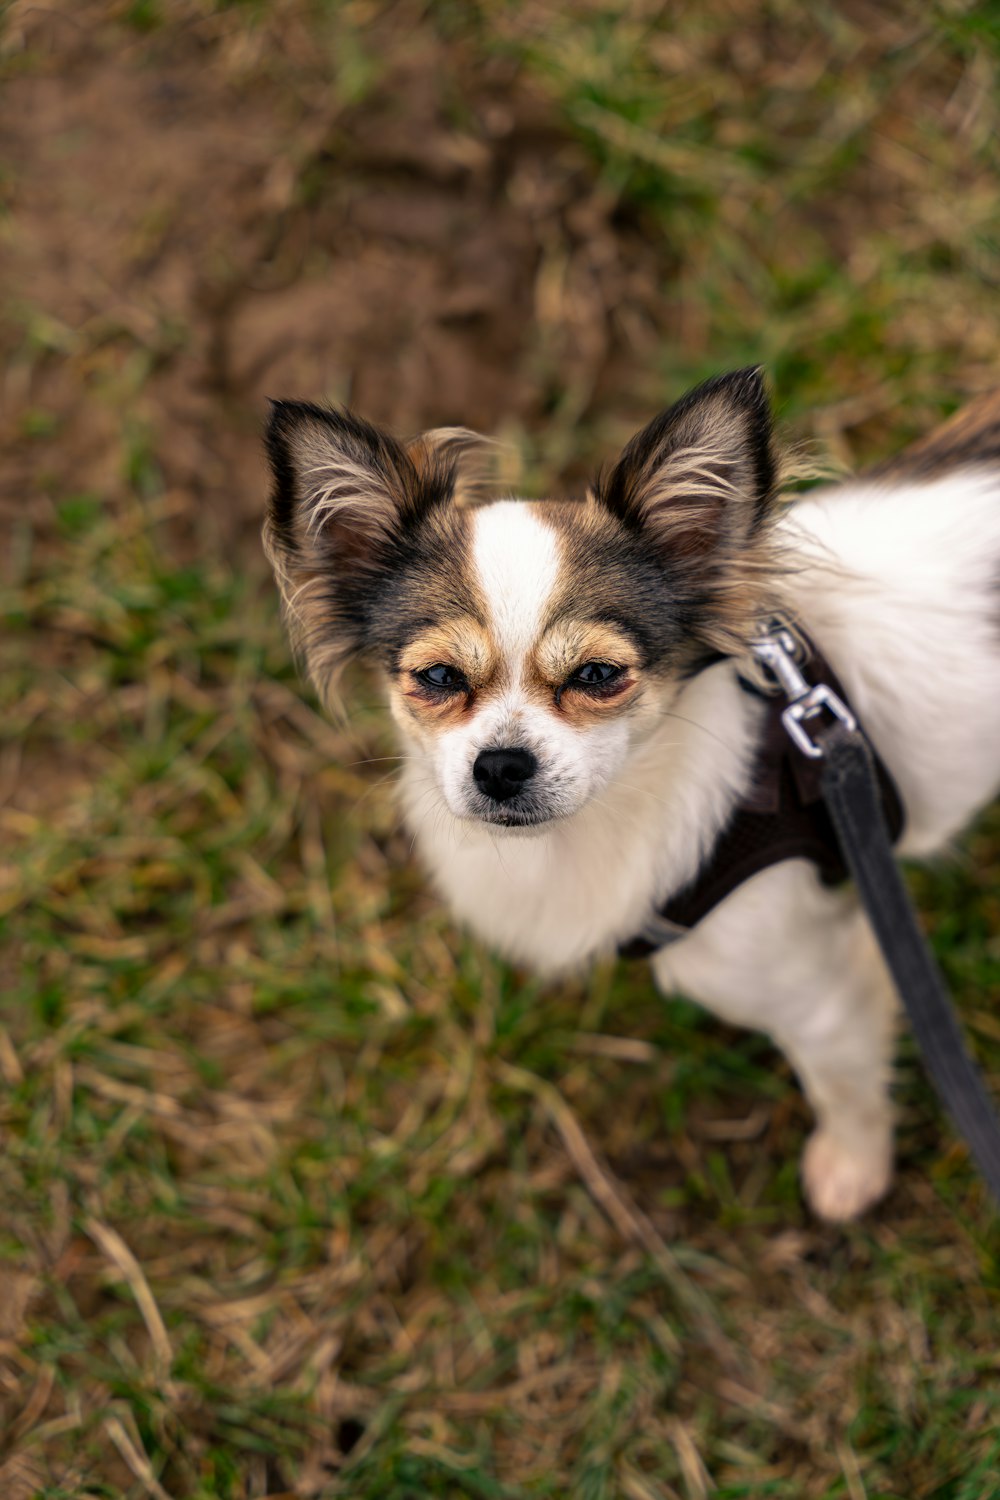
(528, 645)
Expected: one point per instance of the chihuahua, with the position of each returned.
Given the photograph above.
(568, 682)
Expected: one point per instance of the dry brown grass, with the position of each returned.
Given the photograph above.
(300, 1193)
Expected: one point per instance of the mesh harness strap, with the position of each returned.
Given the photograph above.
(782, 816)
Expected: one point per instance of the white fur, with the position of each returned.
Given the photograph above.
(517, 564)
(900, 587)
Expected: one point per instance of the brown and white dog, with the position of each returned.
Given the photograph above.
(564, 678)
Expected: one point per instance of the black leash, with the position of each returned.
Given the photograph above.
(851, 792)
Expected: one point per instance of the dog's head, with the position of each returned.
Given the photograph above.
(528, 645)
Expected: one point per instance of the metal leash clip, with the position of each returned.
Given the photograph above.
(776, 651)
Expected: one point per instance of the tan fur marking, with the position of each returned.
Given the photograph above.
(570, 643)
(971, 436)
(461, 643)
(432, 714)
(579, 707)
(563, 649)
(468, 451)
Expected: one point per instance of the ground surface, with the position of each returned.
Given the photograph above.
(300, 1192)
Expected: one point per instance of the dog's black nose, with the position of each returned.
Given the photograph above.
(500, 774)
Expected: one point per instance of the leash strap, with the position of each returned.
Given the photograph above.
(851, 793)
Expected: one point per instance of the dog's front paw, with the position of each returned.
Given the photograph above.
(841, 1181)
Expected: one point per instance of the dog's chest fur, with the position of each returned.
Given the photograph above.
(555, 897)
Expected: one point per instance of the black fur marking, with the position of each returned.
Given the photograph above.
(612, 576)
(427, 580)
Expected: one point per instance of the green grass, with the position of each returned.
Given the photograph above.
(302, 1192)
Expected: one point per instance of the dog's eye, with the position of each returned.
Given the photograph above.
(443, 678)
(594, 674)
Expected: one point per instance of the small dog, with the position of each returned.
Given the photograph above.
(566, 681)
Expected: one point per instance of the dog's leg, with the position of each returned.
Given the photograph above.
(788, 957)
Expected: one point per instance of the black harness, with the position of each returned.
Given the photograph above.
(781, 816)
(820, 792)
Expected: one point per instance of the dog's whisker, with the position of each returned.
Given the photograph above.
(372, 760)
(670, 713)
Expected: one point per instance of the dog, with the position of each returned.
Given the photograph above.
(568, 680)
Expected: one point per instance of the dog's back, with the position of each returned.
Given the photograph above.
(969, 439)
(898, 573)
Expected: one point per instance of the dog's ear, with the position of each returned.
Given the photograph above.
(345, 496)
(702, 474)
(346, 488)
(698, 484)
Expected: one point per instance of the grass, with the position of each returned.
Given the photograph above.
(301, 1192)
